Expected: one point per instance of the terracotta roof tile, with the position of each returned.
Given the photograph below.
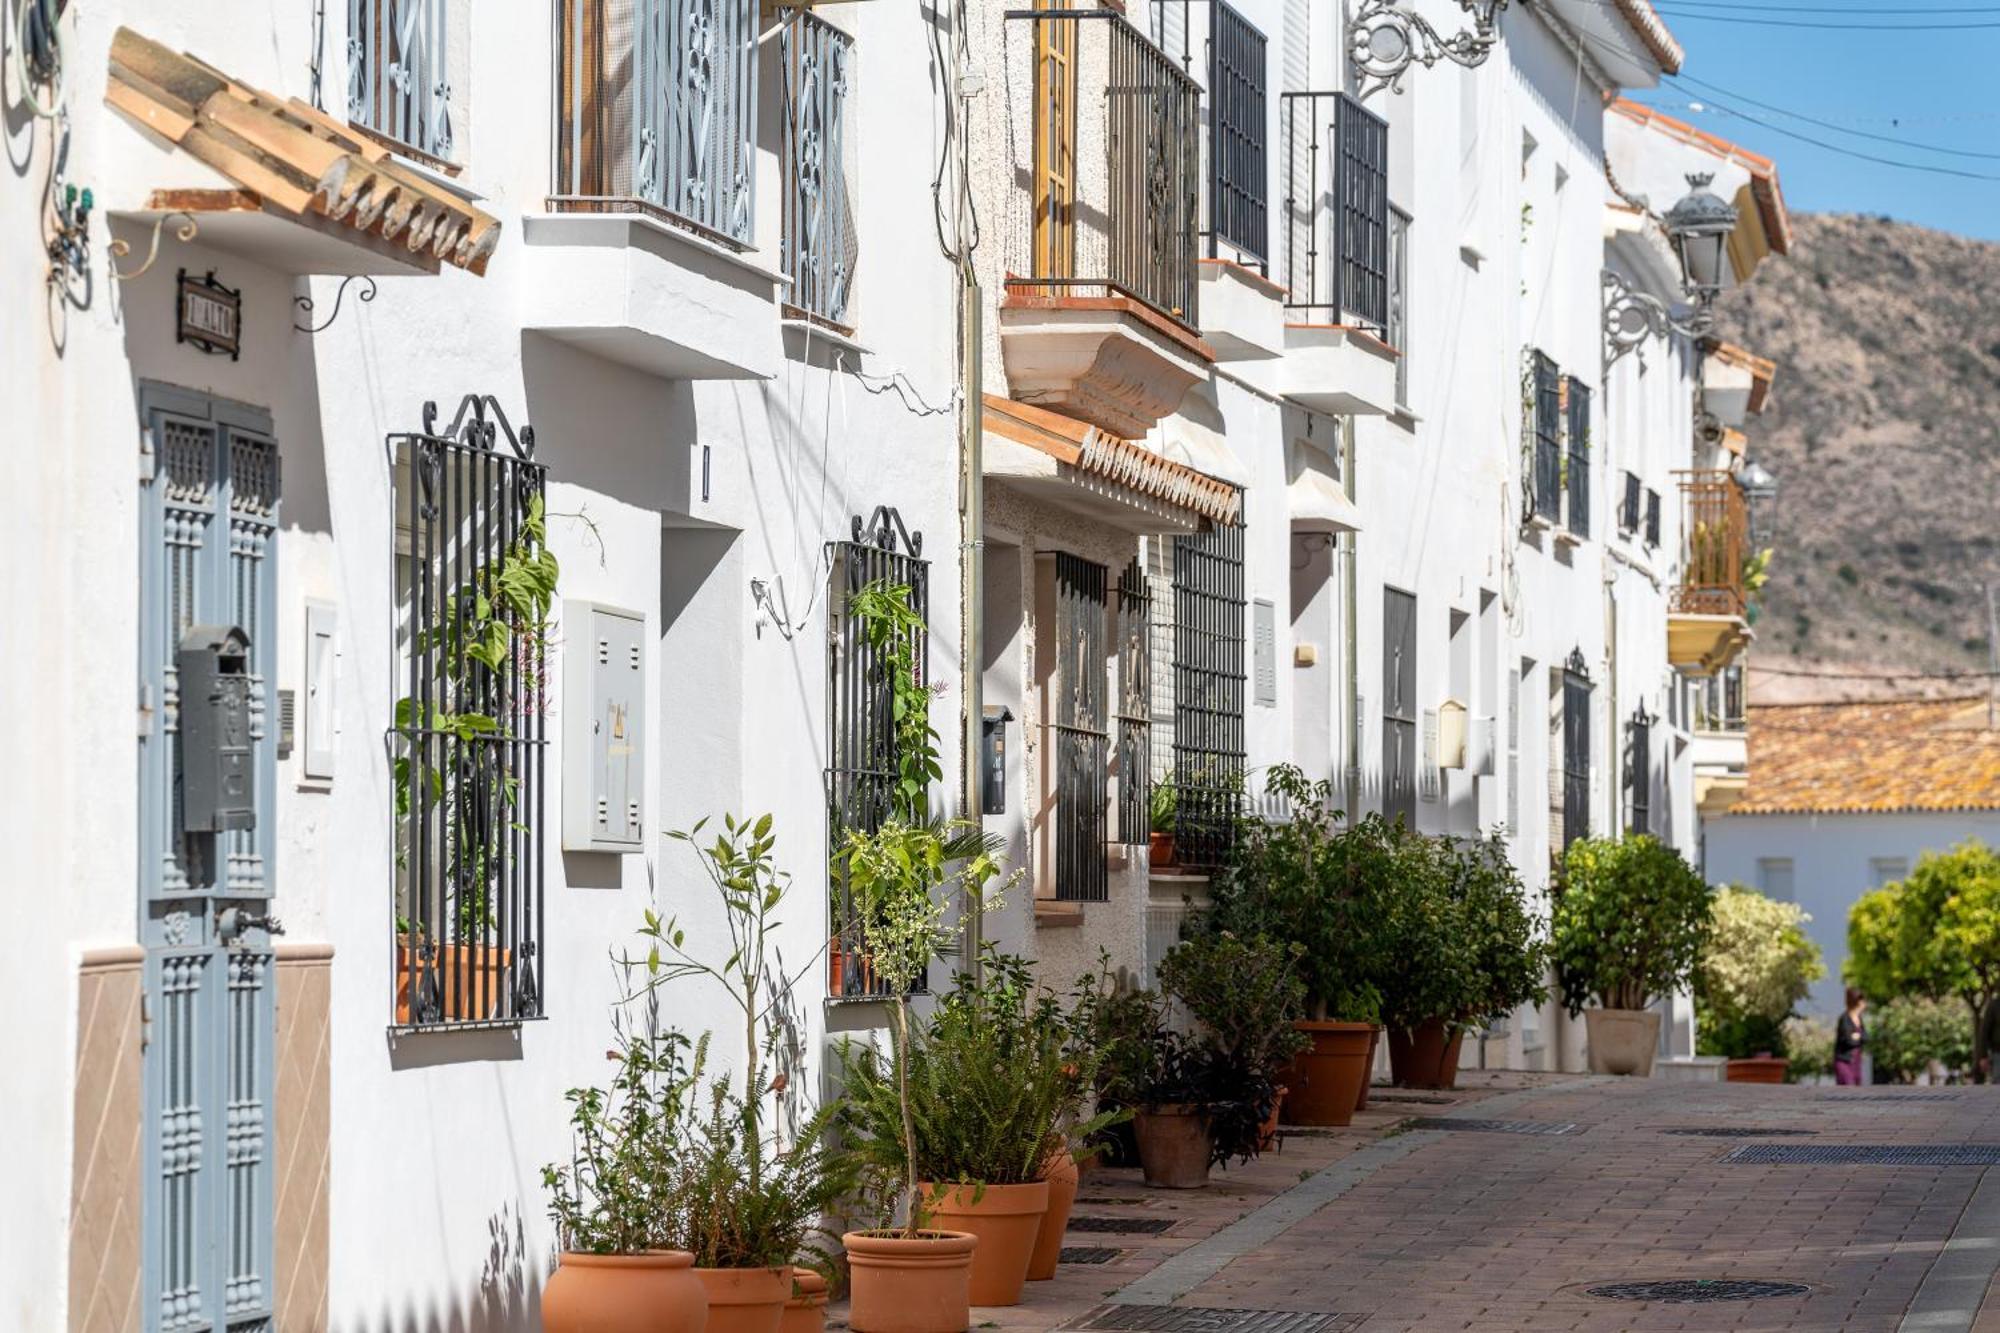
(1763, 171)
(1859, 758)
(1133, 466)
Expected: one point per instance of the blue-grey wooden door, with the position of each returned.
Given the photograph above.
(208, 525)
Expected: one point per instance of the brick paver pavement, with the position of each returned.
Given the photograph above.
(1405, 1228)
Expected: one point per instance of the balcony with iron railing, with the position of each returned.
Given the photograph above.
(1099, 314)
(1242, 305)
(1707, 625)
(1340, 270)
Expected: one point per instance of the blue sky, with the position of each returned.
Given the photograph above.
(1920, 86)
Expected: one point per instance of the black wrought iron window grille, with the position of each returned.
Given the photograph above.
(1399, 706)
(1398, 330)
(1238, 173)
(1631, 510)
(862, 768)
(1576, 749)
(1639, 769)
(817, 242)
(1135, 706)
(1336, 219)
(1578, 481)
(1544, 407)
(1652, 517)
(469, 750)
(1079, 731)
(1209, 685)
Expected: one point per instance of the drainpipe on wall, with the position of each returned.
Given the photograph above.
(1351, 636)
(1615, 741)
(972, 576)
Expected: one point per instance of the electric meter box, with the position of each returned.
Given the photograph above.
(604, 728)
(218, 766)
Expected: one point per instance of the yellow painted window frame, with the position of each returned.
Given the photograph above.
(1055, 144)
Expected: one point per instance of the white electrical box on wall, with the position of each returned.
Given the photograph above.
(604, 728)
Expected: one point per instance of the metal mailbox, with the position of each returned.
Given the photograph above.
(218, 768)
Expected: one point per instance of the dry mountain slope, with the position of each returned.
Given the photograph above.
(1884, 431)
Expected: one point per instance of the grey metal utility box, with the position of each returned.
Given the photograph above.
(604, 728)
(218, 767)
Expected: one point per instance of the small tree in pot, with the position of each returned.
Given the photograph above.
(1245, 998)
(1630, 918)
(1755, 967)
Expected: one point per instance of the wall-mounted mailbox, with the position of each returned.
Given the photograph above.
(604, 729)
(218, 768)
(1451, 715)
(993, 760)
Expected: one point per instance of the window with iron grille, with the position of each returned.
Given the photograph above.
(1631, 508)
(1579, 457)
(817, 245)
(861, 726)
(1652, 517)
(1209, 609)
(1336, 216)
(397, 83)
(1640, 774)
(469, 769)
(1398, 331)
(1576, 750)
(1079, 732)
(1135, 706)
(1237, 175)
(1399, 705)
(1545, 390)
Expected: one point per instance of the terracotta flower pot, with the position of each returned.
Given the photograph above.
(805, 1312)
(1368, 1070)
(1326, 1078)
(1005, 1219)
(1159, 851)
(904, 1284)
(1173, 1146)
(469, 978)
(746, 1300)
(1621, 1041)
(1425, 1056)
(625, 1293)
(1062, 1176)
(1267, 1133)
(1758, 1069)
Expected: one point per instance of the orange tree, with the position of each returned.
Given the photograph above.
(1936, 933)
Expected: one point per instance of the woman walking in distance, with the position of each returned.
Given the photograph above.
(1848, 1036)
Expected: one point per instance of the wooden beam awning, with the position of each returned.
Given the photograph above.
(296, 160)
(1128, 466)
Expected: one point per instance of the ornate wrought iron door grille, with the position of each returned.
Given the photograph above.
(1080, 733)
(1208, 664)
(1237, 172)
(1399, 705)
(1545, 390)
(1579, 457)
(861, 742)
(817, 245)
(397, 82)
(1576, 750)
(1641, 773)
(1336, 209)
(1135, 707)
(471, 749)
(657, 111)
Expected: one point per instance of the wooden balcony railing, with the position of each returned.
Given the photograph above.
(1715, 532)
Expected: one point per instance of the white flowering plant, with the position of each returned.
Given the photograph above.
(1756, 965)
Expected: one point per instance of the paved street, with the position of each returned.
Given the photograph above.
(1392, 1226)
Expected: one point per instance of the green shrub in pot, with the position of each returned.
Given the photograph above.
(1502, 938)
(1630, 919)
(1756, 965)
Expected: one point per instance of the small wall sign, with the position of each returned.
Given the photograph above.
(209, 315)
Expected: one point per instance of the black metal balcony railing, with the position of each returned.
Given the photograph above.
(656, 111)
(1141, 238)
(1336, 165)
(1238, 212)
(817, 244)
(1545, 389)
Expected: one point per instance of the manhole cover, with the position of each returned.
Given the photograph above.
(1089, 1254)
(1188, 1319)
(1543, 1127)
(1866, 1154)
(1143, 1226)
(1738, 1132)
(1697, 1291)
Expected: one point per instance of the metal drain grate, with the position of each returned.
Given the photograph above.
(1866, 1154)
(1188, 1319)
(1140, 1226)
(1906, 1098)
(1541, 1127)
(1109, 1199)
(1698, 1291)
(1418, 1098)
(1089, 1254)
(1736, 1132)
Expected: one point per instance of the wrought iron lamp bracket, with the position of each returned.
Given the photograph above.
(305, 303)
(1631, 318)
(1385, 38)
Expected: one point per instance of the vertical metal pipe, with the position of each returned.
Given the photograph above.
(972, 565)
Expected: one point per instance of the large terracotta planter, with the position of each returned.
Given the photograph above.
(1159, 851)
(1005, 1219)
(1368, 1071)
(1621, 1041)
(805, 1312)
(469, 978)
(1326, 1079)
(746, 1300)
(1173, 1146)
(1062, 1176)
(905, 1284)
(1758, 1069)
(625, 1293)
(1425, 1056)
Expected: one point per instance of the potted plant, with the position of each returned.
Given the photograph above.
(1246, 998)
(1160, 814)
(752, 1197)
(913, 1278)
(1756, 965)
(617, 1202)
(1304, 881)
(1630, 918)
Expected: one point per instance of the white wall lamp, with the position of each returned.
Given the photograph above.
(1384, 38)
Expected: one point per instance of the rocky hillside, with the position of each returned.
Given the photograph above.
(1884, 430)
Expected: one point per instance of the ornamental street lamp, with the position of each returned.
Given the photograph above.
(1385, 37)
(1700, 225)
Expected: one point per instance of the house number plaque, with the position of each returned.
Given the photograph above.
(209, 315)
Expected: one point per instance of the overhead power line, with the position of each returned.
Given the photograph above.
(1822, 26)
(1836, 128)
